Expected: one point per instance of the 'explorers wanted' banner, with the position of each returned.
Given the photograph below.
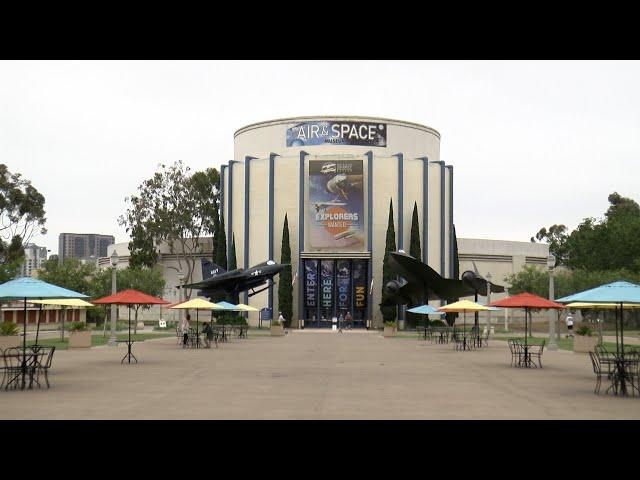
(336, 204)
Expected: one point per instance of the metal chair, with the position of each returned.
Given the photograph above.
(597, 369)
(537, 353)
(44, 364)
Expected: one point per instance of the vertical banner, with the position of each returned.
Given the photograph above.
(360, 284)
(343, 283)
(311, 283)
(336, 204)
(326, 296)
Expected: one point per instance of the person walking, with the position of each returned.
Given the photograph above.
(348, 319)
(569, 322)
(185, 330)
(208, 335)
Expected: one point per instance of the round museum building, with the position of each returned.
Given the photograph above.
(334, 178)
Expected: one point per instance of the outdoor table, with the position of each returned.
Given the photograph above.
(525, 359)
(20, 367)
(194, 339)
(623, 372)
(467, 340)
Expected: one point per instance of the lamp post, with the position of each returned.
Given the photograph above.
(488, 277)
(551, 263)
(180, 280)
(114, 309)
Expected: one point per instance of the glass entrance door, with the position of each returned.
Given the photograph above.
(334, 288)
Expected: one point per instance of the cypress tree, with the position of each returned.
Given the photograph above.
(285, 289)
(416, 252)
(389, 313)
(233, 264)
(221, 250)
(216, 235)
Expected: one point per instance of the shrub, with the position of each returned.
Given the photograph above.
(584, 330)
(78, 327)
(437, 323)
(8, 328)
(391, 324)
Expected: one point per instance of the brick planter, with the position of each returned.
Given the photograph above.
(9, 341)
(584, 344)
(81, 339)
(277, 331)
(389, 332)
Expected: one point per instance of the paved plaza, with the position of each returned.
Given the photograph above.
(315, 375)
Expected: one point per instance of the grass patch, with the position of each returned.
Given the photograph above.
(97, 340)
(563, 343)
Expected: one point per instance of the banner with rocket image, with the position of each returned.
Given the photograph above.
(336, 204)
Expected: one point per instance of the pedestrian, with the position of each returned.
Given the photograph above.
(348, 319)
(208, 334)
(569, 322)
(185, 330)
(340, 321)
(281, 319)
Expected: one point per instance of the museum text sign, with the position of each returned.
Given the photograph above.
(337, 133)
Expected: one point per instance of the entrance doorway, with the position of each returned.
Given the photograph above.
(332, 288)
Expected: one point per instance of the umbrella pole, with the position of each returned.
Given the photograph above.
(197, 330)
(38, 325)
(616, 322)
(621, 330)
(129, 346)
(24, 344)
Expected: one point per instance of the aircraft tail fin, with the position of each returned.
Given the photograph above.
(210, 269)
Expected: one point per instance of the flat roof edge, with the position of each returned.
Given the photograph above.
(278, 121)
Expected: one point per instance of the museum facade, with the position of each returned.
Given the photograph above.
(334, 179)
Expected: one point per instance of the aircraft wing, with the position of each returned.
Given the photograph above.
(426, 279)
(214, 282)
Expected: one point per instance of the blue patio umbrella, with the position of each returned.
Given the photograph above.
(425, 310)
(227, 306)
(618, 293)
(25, 288)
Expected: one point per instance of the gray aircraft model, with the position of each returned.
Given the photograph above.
(217, 280)
(420, 283)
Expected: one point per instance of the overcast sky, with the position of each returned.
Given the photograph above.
(533, 143)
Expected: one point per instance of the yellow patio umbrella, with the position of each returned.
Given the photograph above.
(246, 308)
(463, 306)
(64, 302)
(197, 304)
(602, 306)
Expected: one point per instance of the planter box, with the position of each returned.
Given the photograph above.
(584, 344)
(9, 341)
(389, 332)
(277, 331)
(80, 339)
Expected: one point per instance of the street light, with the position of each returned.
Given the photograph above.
(180, 280)
(488, 277)
(114, 263)
(551, 263)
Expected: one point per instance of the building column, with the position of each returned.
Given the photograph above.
(272, 156)
(245, 247)
(401, 308)
(425, 209)
(303, 154)
(451, 259)
(369, 156)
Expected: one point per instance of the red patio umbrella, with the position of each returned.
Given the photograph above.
(130, 297)
(526, 300)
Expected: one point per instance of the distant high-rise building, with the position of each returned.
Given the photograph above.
(34, 256)
(83, 245)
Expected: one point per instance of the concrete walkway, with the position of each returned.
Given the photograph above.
(315, 375)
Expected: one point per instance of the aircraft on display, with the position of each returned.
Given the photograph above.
(339, 185)
(419, 283)
(217, 280)
(323, 205)
(347, 234)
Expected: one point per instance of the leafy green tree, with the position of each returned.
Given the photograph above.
(71, 273)
(389, 313)
(415, 251)
(144, 279)
(21, 215)
(556, 237)
(285, 287)
(176, 207)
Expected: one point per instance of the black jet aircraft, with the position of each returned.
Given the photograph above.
(420, 283)
(217, 280)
